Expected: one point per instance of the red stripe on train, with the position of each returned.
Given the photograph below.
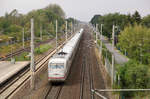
(56, 77)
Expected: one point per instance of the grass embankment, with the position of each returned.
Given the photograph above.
(4, 50)
(42, 48)
(39, 50)
(106, 53)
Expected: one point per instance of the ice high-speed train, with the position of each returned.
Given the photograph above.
(60, 63)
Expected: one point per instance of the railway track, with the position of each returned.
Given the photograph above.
(18, 76)
(90, 78)
(9, 87)
(84, 74)
(91, 75)
(54, 92)
(27, 49)
(13, 79)
(87, 77)
(82, 78)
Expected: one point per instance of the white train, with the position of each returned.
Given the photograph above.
(60, 63)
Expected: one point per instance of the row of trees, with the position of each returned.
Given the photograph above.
(136, 41)
(135, 73)
(120, 20)
(133, 34)
(12, 23)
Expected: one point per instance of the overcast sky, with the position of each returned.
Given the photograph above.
(80, 9)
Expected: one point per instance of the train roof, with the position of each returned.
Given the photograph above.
(57, 60)
(65, 52)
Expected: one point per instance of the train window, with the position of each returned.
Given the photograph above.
(57, 66)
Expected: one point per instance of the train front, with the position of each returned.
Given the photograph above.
(56, 70)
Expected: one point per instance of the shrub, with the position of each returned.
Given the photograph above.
(134, 75)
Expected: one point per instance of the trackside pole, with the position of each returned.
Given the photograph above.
(23, 37)
(32, 66)
(66, 32)
(96, 32)
(113, 57)
(74, 26)
(101, 37)
(71, 28)
(41, 33)
(56, 34)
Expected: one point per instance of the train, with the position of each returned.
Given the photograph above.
(60, 63)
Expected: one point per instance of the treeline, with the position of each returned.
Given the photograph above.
(120, 20)
(132, 36)
(12, 23)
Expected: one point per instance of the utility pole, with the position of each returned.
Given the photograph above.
(32, 66)
(41, 32)
(113, 37)
(11, 42)
(96, 32)
(71, 28)
(66, 31)
(113, 58)
(56, 34)
(23, 38)
(101, 37)
(74, 25)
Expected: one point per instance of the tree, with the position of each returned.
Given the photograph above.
(56, 9)
(12, 23)
(134, 75)
(136, 17)
(109, 20)
(135, 40)
(95, 19)
(146, 21)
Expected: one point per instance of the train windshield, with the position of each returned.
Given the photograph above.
(57, 66)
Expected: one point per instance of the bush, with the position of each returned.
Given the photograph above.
(22, 57)
(134, 75)
(135, 40)
(42, 48)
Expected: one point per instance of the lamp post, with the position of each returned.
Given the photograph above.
(113, 57)
(96, 32)
(74, 25)
(32, 66)
(11, 45)
(101, 37)
(71, 28)
(66, 31)
(23, 38)
(56, 34)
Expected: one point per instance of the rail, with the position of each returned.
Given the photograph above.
(7, 91)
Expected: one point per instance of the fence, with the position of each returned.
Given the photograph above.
(107, 61)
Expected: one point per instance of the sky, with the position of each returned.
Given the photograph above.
(83, 10)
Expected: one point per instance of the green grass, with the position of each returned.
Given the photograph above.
(42, 48)
(22, 57)
(4, 50)
(99, 42)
